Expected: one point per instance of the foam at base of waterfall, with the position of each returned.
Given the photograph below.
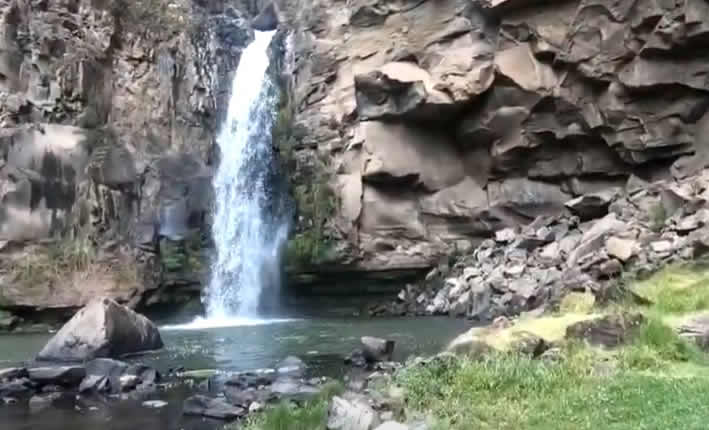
(201, 323)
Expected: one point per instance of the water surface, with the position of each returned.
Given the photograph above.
(321, 342)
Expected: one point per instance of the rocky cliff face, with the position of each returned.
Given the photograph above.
(435, 123)
(109, 112)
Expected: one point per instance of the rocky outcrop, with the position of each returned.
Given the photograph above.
(102, 329)
(437, 123)
(109, 112)
(43, 387)
(533, 267)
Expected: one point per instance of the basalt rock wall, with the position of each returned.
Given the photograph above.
(435, 123)
(109, 112)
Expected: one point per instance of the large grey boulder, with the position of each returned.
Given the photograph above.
(102, 329)
(376, 349)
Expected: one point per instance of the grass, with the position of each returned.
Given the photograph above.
(658, 380)
(676, 290)
(312, 415)
(512, 392)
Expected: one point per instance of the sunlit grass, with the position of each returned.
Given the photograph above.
(511, 392)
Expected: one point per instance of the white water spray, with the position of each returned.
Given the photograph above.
(250, 222)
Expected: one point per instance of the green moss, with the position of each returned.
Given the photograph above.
(314, 199)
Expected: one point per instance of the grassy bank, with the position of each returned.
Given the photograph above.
(657, 380)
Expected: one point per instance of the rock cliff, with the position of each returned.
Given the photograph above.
(109, 111)
(431, 124)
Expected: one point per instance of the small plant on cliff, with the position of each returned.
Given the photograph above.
(315, 200)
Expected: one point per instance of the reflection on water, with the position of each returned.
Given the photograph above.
(321, 343)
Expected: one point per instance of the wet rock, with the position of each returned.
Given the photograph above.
(13, 373)
(356, 358)
(67, 376)
(102, 329)
(353, 414)
(17, 388)
(95, 383)
(41, 402)
(244, 397)
(251, 379)
(212, 408)
(377, 349)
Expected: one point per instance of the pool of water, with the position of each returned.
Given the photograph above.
(320, 342)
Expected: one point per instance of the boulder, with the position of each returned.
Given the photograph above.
(609, 331)
(350, 415)
(622, 249)
(210, 407)
(20, 387)
(590, 206)
(68, 376)
(376, 349)
(293, 389)
(13, 373)
(696, 328)
(102, 329)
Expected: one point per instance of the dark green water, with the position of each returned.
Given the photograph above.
(321, 343)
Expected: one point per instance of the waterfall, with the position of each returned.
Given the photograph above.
(250, 221)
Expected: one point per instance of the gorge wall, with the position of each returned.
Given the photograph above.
(410, 130)
(420, 127)
(109, 111)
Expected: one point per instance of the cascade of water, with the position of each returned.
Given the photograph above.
(250, 223)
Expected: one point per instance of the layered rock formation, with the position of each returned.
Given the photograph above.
(109, 112)
(438, 122)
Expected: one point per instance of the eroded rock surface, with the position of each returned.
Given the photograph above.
(108, 116)
(441, 122)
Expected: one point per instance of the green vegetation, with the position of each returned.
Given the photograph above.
(311, 415)
(316, 203)
(314, 198)
(658, 380)
(509, 392)
(676, 290)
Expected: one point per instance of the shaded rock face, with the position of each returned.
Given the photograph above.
(109, 112)
(102, 329)
(441, 122)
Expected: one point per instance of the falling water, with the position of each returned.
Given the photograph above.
(250, 223)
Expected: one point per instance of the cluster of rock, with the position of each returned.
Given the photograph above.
(77, 365)
(77, 386)
(641, 228)
(228, 397)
